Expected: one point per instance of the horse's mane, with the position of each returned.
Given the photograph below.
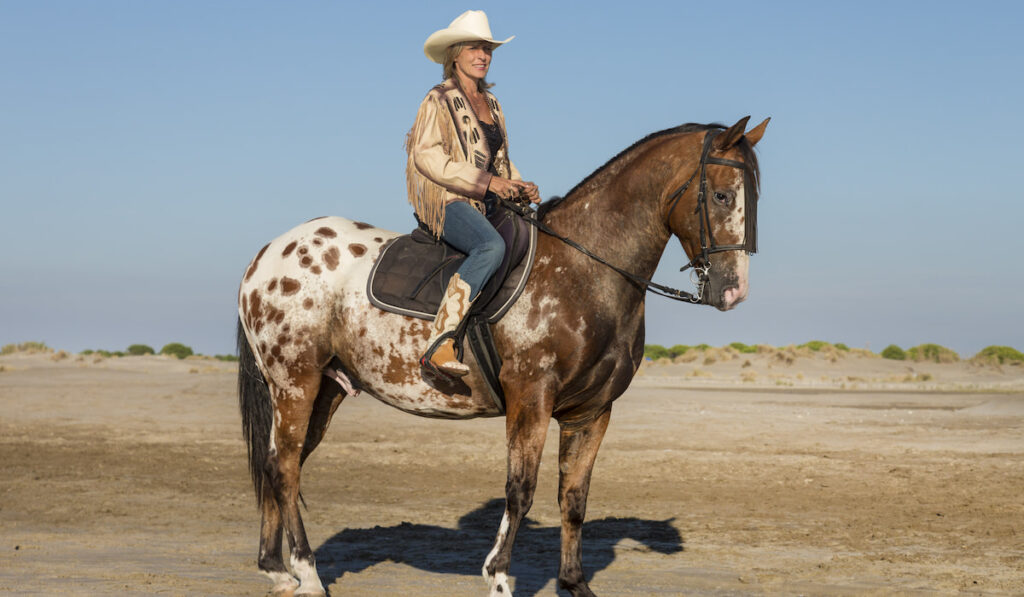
(749, 157)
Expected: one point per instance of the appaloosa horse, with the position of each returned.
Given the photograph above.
(570, 345)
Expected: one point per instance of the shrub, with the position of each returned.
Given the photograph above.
(743, 348)
(87, 352)
(25, 347)
(140, 349)
(841, 346)
(679, 350)
(177, 349)
(230, 358)
(894, 352)
(933, 353)
(814, 345)
(1001, 354)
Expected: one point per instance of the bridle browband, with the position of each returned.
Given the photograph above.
(701, 264)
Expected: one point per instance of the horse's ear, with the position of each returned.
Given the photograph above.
(732, 135)
(754, 135)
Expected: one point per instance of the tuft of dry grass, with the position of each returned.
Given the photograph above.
(687, 357)
(60, 355)
(29, 347)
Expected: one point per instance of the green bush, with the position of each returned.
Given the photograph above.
(894, 352)
(815, 345)
(841, 346)
(743, 348)
(177, 349)
(87, 351)
(679, 349)
(655, 352)
(1000, 353)
(933, 353)
(140, 349)
(230, 358)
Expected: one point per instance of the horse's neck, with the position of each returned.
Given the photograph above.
(617, 215)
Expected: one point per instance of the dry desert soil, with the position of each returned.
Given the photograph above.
(726, 474)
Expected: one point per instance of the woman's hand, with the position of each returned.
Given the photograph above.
(510, 189)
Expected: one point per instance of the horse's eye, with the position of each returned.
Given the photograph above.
(721, 197)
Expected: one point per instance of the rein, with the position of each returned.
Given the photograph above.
(701, 264)
(649, 285)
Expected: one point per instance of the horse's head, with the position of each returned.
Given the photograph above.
(713, 212)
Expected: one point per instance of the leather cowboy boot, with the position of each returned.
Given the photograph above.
(454, 306)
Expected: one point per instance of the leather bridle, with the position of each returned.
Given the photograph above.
(701, 263)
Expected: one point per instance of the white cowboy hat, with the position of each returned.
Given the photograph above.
(471, 25)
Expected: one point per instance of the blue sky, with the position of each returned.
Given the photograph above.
(149, 149)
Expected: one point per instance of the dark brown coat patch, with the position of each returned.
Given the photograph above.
(288, 250)
(362, 225)
(256, 262)
(357, 250)
(331, 258)
(289, 286)
(326, 232)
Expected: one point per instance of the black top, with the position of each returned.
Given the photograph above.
(494, 141)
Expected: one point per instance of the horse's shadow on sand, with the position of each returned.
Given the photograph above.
(462, 550)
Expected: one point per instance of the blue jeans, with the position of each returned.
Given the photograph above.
(469, 231)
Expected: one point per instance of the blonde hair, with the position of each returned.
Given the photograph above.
(452, 52)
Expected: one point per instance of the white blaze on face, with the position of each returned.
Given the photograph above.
(735, 224)
(734, 229)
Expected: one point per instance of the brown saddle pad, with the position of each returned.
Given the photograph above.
(412, 271)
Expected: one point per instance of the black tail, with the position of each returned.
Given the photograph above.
(257, 412)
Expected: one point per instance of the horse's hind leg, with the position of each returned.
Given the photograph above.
(293, 408)
(577, 450)
(271, 561)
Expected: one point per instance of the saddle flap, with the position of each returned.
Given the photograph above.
(412, 271)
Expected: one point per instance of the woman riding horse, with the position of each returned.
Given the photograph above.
(457, 168)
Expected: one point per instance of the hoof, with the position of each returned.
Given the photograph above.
(577, 589)
(284, 584)
(498, 585)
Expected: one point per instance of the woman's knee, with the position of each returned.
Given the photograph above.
(493, 251)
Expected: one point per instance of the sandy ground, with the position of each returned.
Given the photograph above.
(724, 475)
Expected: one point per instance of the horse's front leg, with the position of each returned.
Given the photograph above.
(577, 450)
(526, 429)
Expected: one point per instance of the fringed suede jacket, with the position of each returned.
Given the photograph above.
(448, 155)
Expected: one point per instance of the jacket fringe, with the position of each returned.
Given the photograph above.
(426, 196)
